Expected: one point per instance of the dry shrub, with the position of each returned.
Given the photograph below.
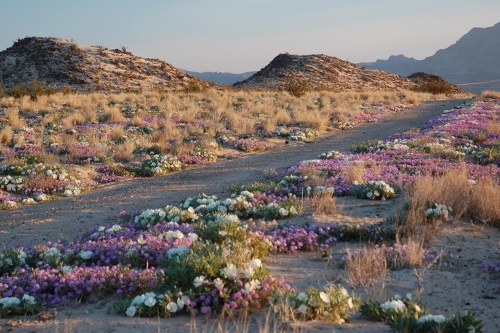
(410, 253)
(13, 118)
(490, 94)
(113, 115)
(366, 267)
(484, 202)
(6, 135)
(45, 182)
(493, 127)
(312, 118)
(73, 119)
(125, 152)
(324, 204)
(451, 189)
(44, 157)
(356, 173)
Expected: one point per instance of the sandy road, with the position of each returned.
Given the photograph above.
(66, 218)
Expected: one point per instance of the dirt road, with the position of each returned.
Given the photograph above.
(66, 218)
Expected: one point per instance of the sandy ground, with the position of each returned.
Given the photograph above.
(443, 291)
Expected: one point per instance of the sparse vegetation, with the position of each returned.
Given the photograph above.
(296, 88)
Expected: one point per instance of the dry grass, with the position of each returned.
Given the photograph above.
(324, 204)
(356, 173)
(484, 202)
(490, 94)
(451, 189)
(173, 119)
(410, 253)
(493, 127)
(366, 268)
(6, 135)
(124, 152)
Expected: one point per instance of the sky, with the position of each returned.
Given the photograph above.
(240, 36)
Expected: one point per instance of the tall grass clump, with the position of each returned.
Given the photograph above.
(451, 191)
(484, 202)
(490, 94)
(366, 268)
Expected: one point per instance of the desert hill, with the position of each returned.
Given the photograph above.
(319, 72)
(433, 83)
(62, 63)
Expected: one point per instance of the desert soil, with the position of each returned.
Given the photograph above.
(443, 291)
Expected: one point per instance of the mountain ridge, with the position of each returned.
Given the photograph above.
(474, 58)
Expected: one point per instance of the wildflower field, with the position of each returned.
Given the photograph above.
(63, 144)
(207, 256)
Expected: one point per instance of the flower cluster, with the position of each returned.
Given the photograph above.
(438, 212)
(409, 315)
(330, 154)
(375, 190)
(332, 303)
(296, 133)
(250, 145)
(198, 156)
(159, 165)
(18, 305)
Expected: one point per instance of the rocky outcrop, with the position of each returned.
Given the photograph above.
(61, 63)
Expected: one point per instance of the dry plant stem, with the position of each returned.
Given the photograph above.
(420, 276)
(324, 204)
(366, 268)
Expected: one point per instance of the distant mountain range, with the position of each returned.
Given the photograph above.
(472, 63)
(220, 77)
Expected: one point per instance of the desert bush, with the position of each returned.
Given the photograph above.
(484, 204)
(407, 315)
(374, 190)
(159, 165)
(324, 204)
(356, 173)
(434, 87)
(366, 268)
(451, 190)
(296, 88)
(332, 304)
(6, 135)
(490, 94)
(409, 253)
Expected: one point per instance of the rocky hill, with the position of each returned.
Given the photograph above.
(473, 61)
(62, 63)
(433, 83)
(319, 72)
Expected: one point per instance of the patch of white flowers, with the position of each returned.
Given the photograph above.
(330, 155)
(431, 318)
(9, 302)
(161, 164)
(12, 183)
(438, 212)
(378, 190)
(395, 305)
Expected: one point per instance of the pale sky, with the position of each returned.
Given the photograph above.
(239, 36)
